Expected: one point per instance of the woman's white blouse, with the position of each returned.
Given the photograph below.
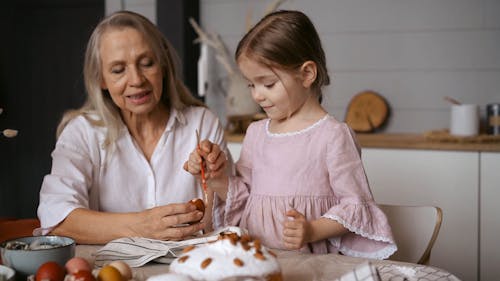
(85, 175)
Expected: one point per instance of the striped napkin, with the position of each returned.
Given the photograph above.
(137, 251)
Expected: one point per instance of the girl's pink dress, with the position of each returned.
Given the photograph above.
(318, 171)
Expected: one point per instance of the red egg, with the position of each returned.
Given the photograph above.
(77, 264)
(200, 205)
(83, 275)
(50, 271)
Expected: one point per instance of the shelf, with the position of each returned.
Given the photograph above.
(406, 141)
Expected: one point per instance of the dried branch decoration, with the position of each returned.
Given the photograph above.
(214, 40)
(10, 133)
(238, 101)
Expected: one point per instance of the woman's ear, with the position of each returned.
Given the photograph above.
(103, 85)
(308, 72)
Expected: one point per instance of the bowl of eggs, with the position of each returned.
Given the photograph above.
(26, 254)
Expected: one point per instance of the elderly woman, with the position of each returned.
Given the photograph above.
(117, 165)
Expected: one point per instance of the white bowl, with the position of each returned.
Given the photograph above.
(7, 273)
(27, 262)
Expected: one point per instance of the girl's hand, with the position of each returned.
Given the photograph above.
(169, 222)
(214, 160)
(296, 232)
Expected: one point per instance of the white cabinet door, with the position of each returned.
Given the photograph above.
(234, 149)
(490, 216)
(448, 179)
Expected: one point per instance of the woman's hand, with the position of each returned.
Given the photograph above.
(169, 222)
(296, 232)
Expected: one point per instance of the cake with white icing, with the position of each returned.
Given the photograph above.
(228, 256)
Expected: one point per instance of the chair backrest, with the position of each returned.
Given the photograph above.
(11, 228)
(415, 229)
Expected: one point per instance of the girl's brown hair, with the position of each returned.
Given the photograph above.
(286, 39)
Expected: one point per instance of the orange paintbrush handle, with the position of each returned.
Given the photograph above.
(202, 168)
(203, 177)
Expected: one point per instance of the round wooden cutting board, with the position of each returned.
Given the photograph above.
(367, 111)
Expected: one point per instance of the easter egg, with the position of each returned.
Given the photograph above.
(83, 275)
(77, 264)
(200, 205)
(123, 268)
(109, 273)
(50, 271)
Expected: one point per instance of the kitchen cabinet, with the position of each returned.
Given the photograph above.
(234, 149)
(448, 179)
(489, 216)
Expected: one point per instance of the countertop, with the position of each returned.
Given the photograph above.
(409, 141)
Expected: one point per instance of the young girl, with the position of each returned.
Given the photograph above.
(300, 181)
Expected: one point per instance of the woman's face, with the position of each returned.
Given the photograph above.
(130, 71)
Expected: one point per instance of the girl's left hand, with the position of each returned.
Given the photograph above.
(296, 232)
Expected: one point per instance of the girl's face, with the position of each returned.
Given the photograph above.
(280, 93)
(130, 71)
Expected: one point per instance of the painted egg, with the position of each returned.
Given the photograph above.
(50, 271)
(83, 275)
(123, 268)
(77, 264)
(109, 273)
(200, 205)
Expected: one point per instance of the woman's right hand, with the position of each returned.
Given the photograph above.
(168, 222)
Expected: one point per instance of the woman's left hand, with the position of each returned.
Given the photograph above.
(296, 232)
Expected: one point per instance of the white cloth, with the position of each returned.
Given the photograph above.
(137, 251)
(84, 175)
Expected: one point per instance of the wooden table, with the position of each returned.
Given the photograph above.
(303, 267)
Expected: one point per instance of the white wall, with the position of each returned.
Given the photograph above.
(413, 52)
(146, 8)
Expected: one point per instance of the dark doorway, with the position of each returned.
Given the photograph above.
(173, 21)
(41, 58)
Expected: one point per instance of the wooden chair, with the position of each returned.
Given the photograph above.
(12, 228)
(415, 229)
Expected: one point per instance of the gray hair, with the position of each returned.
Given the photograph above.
(99, 108)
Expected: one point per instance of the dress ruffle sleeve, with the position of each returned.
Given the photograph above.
(370, 233)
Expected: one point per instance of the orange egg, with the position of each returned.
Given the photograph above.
(109, 273)
(77, 264)
(200, 205)
(124, 269)
(50, 271)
